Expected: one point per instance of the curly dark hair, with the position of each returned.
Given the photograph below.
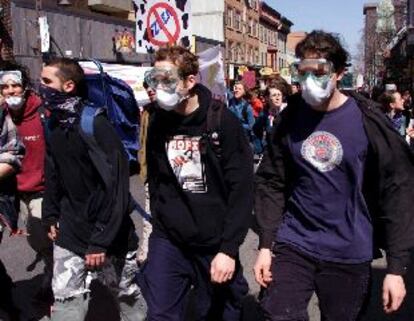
(326, 45)
(280, 83)
(10, 65)
(184, 59)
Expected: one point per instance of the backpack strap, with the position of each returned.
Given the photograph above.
(244, 111)
(45, 121)
(87, 119)
(2, 116)
(213, 130)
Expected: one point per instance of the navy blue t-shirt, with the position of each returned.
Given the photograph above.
(326, 214)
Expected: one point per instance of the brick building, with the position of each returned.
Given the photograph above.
(270, 24)
(241, 32)
(377, 43)
(399, 61)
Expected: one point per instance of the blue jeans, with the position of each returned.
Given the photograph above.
(341, 288)
(170, 272)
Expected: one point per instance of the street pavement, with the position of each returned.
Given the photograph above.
(17, 257)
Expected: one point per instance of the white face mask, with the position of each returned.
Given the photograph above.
(168, 100)
(15, 102)
(316, 92)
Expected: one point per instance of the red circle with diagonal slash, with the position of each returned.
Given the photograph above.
(172, 38)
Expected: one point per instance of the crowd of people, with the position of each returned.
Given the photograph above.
(328, 175)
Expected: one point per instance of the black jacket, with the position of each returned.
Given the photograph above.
(91, 201)
(216, 220)
(388, 183)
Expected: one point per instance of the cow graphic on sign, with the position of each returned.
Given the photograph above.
(161, 23)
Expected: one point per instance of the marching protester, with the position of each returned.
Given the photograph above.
(330, 160)
(241, 108)
(393, 106)
(200, 182)
(26, 111)
(11, 154)
(255, 102)
(86, 203)
(275, 95)
(148, 109)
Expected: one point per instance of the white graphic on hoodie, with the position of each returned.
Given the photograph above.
(185, 159)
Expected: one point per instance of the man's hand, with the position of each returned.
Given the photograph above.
(222, 268)
(94, 261)
(53, 232)
(262, 267)
(410, 132)
(393, 292)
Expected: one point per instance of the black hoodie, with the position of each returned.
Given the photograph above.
(208, 207)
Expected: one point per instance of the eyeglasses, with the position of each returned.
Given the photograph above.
(321, 69)
(166, 78)
(11, 76)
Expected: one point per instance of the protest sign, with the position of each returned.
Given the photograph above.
(160, 23)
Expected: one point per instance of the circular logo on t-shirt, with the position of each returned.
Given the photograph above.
(323, 150)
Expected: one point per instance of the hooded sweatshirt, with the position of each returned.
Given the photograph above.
(29, 128)
(199, 200)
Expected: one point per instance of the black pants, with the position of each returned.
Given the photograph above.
(341, 288)
(168, 275)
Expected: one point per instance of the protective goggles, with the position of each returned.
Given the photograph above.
(11, 76)
(320, 69)
(167, 78)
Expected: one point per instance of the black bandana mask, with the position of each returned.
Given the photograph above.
(67, 106)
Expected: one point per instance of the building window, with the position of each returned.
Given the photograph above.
(253, 4)
(237, 20)
(229, 21)
(261, 33)
(230, 50)
(249, 27)
(265, 31)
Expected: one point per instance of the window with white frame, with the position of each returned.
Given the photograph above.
(237, 20)
(249, 26)
(261, 33)
(229, 20)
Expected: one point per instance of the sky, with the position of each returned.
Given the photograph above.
(342, 16)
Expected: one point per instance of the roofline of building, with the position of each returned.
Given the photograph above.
(287, 21)
(369, 5)
(265, 7)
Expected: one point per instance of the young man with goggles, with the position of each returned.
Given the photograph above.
(201, 198)
(334, 185)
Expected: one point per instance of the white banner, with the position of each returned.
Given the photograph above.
(160, 23)
(132, 75)
(44, 34)
(212, 72)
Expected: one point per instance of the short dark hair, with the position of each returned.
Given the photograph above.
(68, 69)
(184, 59)
(9, 66)
(326, 45)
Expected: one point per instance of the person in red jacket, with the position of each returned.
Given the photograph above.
(256, 102)
(25, 109)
